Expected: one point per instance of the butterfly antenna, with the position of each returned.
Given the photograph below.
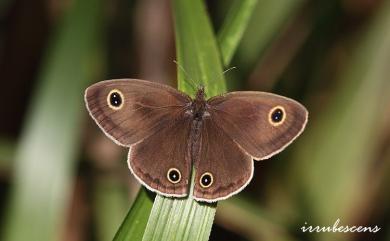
(231, 68)
(224, 72)
(192, 83)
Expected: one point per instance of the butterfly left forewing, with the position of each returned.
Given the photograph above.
(143, 107)
(222, 168)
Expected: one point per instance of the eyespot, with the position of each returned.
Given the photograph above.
(115, 99)
(277, 115)
(206, 180)
(174, 175)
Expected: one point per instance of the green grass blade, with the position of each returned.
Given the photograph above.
(47, 150)
(110, 204)
(196, 49)
(134, 224)
(197, 53)
(334, 170)
(251, 221)
(268, 18)
(233, 27)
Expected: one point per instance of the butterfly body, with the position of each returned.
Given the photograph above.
(197, 110)
(169, 134)
(198, 107)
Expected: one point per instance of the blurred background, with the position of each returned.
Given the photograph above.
(62, 179)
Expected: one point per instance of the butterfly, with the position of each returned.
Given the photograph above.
(169, 134)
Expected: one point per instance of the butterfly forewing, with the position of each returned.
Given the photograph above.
(262, 124)
(129, 110)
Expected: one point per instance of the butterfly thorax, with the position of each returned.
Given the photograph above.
(198, 106)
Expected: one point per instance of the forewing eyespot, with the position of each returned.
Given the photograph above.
(206, 180)
(174, 175)
(277, 115)
(115, 99)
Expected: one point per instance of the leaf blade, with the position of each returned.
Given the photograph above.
(197, 53)
(233, 28)
(47, 150)
(136, 215)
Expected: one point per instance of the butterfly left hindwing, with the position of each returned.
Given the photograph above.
(161, 161)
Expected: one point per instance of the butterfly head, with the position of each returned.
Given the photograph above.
(200, 93)
(199, 103)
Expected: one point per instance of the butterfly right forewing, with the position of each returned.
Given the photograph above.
(261, 123)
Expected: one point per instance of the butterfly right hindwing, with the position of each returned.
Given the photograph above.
(223, 168)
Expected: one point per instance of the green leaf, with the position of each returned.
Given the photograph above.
(197, 53)
(233, 27)
(110, 205)
(135, 222)
(196, 49)
(48, 148)
(268, 19)
(252, 221)
(334, 175)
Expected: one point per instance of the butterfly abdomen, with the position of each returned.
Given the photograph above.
(194, 140)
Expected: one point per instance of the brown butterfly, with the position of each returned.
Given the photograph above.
(168, 133)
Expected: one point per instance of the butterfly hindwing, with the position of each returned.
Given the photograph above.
(262, 124)
(222, 168)
(161, 161)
